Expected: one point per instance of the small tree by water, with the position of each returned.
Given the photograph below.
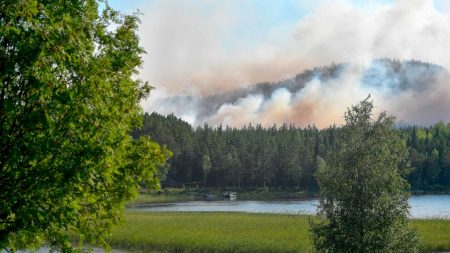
(363, 194)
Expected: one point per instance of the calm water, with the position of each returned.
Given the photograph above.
(423, 206)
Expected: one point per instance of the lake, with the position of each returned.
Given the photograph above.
(422, 206)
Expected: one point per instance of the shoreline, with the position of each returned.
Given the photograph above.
(175, 195)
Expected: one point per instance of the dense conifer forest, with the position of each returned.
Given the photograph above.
(283, 157)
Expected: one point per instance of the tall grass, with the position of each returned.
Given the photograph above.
(212, 232)
(239, 232)
(434, 234)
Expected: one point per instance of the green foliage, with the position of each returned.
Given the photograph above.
(67, 104)
(421, 134)
(206, 165)
(363, 196)
(250, 157)
(281, 157)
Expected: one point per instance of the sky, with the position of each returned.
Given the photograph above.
(202, 47)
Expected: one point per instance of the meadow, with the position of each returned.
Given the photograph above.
(239, 232)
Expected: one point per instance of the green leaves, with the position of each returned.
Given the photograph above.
(68, 102)
(363, 196)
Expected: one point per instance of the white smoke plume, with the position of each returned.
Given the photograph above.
(187, 59)
(416, 92)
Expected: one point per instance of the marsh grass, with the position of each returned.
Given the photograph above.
(434, 234)
(239, 232)
(212, 232)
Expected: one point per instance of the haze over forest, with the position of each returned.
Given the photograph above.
(416, 92)
(204, 58)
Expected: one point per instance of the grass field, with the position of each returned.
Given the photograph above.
(239, 232)
(434, 235)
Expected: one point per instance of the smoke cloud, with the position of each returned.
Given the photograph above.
(193, 54)
(418, 93)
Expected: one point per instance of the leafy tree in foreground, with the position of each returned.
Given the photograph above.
(67, 105)
(363, 195)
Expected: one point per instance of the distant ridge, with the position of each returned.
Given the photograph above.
(395, 74)
(424, 88)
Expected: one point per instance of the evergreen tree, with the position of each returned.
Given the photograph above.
(281, 157)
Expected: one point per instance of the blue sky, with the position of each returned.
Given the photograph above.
(281, 11)
(266, 14)
(275, 12)
(292, 9)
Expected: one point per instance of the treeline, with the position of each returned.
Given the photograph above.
(279, 156)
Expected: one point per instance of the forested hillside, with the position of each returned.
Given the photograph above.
(280, 156)
(395, 82)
